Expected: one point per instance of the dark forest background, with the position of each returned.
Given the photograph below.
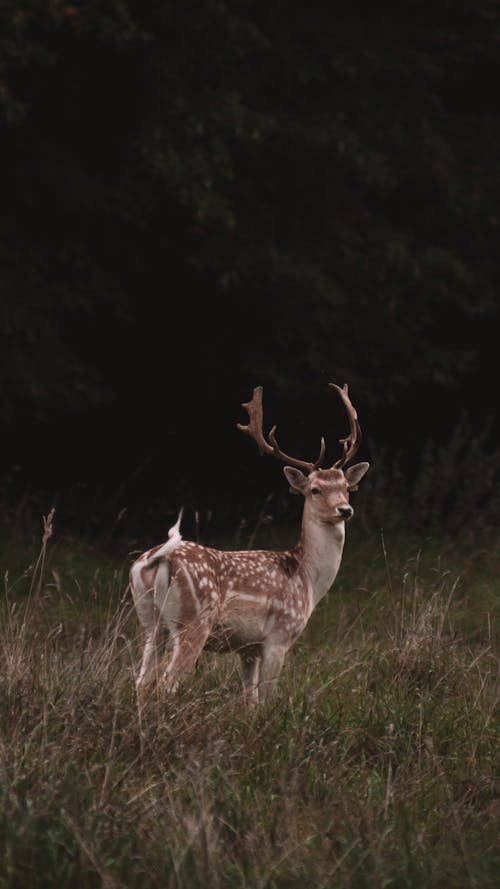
(199, 197)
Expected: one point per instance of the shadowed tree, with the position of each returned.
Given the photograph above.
(250, 192)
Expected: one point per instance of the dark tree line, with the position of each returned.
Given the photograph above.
(200, 196)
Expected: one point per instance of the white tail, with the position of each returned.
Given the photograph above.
(254, 602)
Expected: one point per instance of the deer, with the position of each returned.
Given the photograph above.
(254, 603)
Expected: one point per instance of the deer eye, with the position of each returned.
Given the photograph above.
(315, 491)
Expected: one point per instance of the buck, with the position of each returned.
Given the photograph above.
(254, 602)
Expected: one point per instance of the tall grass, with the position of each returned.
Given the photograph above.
(377, 764)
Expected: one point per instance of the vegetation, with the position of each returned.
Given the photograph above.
(250, 194)
(199, 197)
(377, 764)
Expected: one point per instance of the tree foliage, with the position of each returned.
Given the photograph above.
(255, 192)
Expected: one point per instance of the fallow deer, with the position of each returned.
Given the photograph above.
(253, 602)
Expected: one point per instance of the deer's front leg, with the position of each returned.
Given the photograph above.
(270, 668)
(250, 657)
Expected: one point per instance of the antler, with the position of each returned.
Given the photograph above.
(352, 441)
(254, 429)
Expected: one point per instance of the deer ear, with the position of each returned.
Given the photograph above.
(296, 479)
(354, 474)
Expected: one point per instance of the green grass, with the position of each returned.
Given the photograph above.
(376, 765)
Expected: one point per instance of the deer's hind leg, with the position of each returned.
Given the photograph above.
(188, 643)
(189, 621)
(150, 655)
(141, 584)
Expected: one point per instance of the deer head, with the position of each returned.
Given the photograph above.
(326, 491)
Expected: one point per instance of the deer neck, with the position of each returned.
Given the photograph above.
(320, 548)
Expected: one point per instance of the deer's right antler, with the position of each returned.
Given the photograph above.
(352, 441)
(254, 430)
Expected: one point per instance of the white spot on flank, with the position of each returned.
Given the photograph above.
(246, 597)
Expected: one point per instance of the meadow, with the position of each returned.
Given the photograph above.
(376, 764)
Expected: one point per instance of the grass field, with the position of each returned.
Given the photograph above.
(376, 765)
